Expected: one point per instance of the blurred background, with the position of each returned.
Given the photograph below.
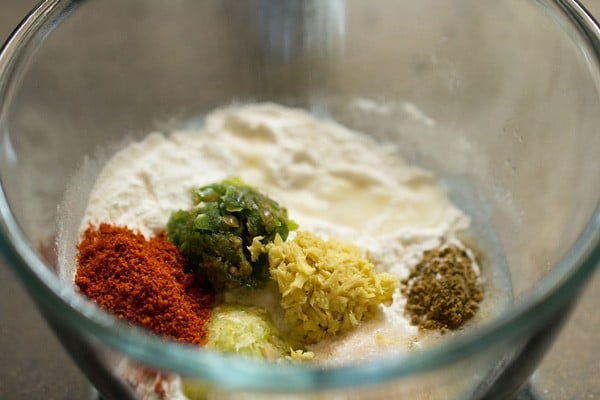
(34, 366)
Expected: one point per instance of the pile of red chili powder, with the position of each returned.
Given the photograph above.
(143, 281)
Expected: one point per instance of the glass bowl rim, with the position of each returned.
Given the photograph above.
(64, 304)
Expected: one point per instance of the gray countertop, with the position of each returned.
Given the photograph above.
(34, 365)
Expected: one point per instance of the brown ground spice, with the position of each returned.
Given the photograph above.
(442, 291)
(143, 281)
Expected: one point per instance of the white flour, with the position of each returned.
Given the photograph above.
(333, 181)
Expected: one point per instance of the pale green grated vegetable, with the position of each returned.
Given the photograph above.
(249, 331)
(245, 330)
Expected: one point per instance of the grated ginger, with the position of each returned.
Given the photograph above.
(327, 287)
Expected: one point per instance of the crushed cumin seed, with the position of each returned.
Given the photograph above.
(442, 291)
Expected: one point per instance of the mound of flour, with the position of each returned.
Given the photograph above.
(333, 181)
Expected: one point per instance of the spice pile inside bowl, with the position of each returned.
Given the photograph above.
(271, 233)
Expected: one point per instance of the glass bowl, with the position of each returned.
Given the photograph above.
(500, 99)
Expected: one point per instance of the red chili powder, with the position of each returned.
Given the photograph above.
(142, 280)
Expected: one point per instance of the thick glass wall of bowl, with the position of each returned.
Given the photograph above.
(468, 378)
(497, 99)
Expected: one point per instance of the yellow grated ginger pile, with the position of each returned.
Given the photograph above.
(327, 287)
